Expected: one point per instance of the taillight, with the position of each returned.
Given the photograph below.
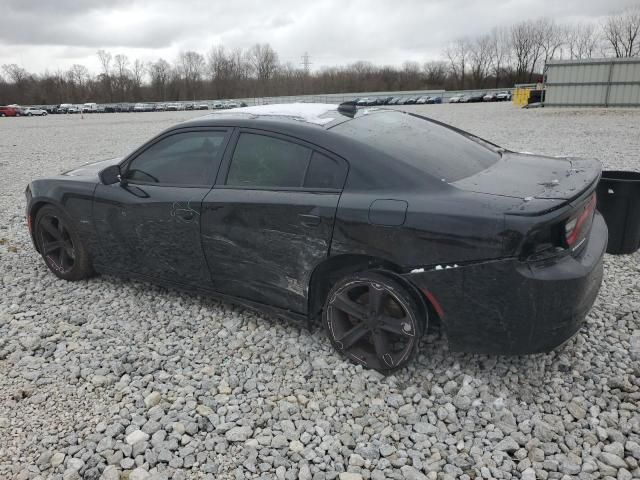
(577, 227)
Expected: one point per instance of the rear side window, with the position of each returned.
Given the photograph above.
(263, 161)
(435, 149)
(325, 172)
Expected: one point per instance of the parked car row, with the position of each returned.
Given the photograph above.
(481, 97)
(69, 108)
(375, 101)
(17, 111)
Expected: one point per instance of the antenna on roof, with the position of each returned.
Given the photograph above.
(348, 108)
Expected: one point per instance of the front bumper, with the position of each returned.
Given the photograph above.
(513, 307)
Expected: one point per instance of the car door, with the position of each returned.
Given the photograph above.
(269, 219)
(149, 223)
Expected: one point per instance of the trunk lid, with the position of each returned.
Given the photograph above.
(527, 176)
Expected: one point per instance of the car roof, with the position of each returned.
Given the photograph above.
(318, 115)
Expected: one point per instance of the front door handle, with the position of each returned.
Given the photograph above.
(309, 220)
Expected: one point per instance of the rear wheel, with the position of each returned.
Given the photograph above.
(374, 320)
(60, 245)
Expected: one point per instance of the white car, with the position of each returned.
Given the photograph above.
(90, 108)
(455, 99)
(32, 111)
(502, 96)
(139, 107)
(73, 109)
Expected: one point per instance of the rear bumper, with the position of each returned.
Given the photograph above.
(513, 307)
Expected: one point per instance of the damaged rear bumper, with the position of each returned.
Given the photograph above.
(514, 307)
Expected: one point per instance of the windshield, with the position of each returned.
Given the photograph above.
(438, 150)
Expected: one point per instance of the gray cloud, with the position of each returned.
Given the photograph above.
(48, 34)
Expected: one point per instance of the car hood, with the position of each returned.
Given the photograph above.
(92, 169)
(527, 176)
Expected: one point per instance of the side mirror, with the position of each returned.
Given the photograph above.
(110, 175)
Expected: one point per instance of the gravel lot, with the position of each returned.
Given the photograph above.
(128, 380)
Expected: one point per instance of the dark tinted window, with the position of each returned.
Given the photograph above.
(324, 172)
(262, 161)
(183, 159)
(436, 149)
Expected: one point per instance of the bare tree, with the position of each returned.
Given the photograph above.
(105, 62)
(501, 51)
(550, 37)
(581, 39)
(458, 55)
(138, 71)
(160, 72)
(191, 67)
(79, 75)
(435, 73)
(121, 74)
(264, 61)
(480, 59)
(527, 48)
(220, 67)
(622, 32)
(15, 73)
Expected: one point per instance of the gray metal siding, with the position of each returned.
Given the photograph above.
(593, 82)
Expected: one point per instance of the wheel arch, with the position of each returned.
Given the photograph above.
(327, 273)
(34, 208)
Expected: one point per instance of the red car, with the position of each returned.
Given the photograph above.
(9, 112)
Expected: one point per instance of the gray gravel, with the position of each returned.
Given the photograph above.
(117, 379)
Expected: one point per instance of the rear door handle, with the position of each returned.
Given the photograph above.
(309, 220)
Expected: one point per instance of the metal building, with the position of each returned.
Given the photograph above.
(602, 82)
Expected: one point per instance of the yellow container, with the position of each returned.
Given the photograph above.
(520, 96)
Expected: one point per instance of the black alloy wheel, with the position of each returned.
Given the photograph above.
(60, 246)
(56, 243)
(373, 320)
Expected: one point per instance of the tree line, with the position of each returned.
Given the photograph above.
(500, 58)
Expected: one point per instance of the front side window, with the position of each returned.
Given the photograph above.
(263, 161)
(189, 158)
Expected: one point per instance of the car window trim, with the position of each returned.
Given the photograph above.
(225, 165)
(124, 165)
(278, 189)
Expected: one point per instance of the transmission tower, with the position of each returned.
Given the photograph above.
(306, 62)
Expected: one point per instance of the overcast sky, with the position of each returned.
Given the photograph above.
(54, 34)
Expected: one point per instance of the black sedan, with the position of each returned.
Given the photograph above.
(372, 222)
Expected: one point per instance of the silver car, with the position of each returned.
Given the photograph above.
(33, 111)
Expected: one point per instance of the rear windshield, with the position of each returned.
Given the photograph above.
(437, 150)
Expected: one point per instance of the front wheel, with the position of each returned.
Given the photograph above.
(60, 245)
(374, 320)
